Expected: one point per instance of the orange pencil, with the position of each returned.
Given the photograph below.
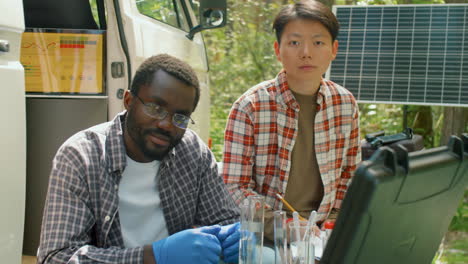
(289, 206)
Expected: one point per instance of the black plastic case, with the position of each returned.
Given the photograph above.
(399, 206)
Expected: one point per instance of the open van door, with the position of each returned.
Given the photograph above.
(70, 94)
(143, 28)
(12, 133)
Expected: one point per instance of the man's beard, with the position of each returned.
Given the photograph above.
(138, 135)
(156, 154)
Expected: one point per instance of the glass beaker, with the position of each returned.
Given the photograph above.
(252, 221)
(280, 227)
(301, 243)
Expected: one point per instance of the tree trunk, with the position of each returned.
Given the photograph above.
(455, 123)
(422, 125)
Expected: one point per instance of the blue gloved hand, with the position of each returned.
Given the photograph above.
(196, 246)
(229, 237)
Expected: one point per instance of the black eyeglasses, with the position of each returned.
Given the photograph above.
(158, 112)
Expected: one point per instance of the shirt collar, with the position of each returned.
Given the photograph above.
(322, 92)
(286, 95)
(115, 144)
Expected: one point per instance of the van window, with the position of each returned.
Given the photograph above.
(94, 10)
(195, 6)
(167, 11)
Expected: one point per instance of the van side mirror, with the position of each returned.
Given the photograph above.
(213, 14)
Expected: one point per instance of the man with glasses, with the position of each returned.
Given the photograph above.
(132, 190)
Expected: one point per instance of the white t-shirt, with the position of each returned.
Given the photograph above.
(141, 215)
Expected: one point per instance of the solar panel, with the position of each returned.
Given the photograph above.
(407, 54)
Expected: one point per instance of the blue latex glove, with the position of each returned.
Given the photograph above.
(195, 246)
(229, 237)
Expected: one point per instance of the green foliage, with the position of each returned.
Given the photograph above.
(240, 55)
(160, 10)
(456, 251)
(377, 117)
(460, 220)
(424, 120)
(93, 5)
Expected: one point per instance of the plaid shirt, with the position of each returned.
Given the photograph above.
(81, 221)
(261, 132)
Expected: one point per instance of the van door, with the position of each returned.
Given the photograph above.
(12, 133)
(60, 104)
(150, 27)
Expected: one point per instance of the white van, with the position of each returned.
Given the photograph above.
(41, 111)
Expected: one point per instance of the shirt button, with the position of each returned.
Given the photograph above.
(107, 218)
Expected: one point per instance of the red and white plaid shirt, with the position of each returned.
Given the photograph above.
(260, 136)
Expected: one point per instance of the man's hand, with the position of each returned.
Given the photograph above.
(229, 237)
(195, 246)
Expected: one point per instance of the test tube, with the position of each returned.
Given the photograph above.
(245, 239)
(252, 221)
(280, 237)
